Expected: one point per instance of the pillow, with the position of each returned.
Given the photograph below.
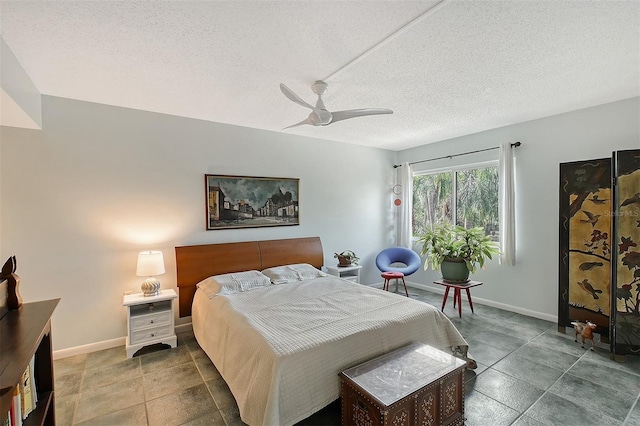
(235, 282)
(294, 272)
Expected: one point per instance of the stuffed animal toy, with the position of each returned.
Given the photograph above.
(585, 330)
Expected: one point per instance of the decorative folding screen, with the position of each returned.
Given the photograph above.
(599, 241)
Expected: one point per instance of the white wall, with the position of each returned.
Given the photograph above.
(80, 198)
(99, 183)
(532, 285)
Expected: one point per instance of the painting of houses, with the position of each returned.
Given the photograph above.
(249, 202)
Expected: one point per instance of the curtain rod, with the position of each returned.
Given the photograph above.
(514, 145)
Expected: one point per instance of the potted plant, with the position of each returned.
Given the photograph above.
(346, 258)
(456, 250)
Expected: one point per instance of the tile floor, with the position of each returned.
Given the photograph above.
(528, 374)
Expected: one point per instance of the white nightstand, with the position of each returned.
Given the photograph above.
(351, 273)
(150, 320)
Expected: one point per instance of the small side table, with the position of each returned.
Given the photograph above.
(457, 298)
(351, 273)
(150, 320)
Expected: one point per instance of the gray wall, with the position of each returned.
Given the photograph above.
(100, 183)
(531, 286)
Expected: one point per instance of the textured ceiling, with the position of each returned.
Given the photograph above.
(446, 69)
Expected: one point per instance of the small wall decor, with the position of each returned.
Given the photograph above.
(397, 190)
(250, 202)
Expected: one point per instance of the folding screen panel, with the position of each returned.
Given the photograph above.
(585, 244)
(625, 306)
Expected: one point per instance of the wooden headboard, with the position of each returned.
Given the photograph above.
(195, 263)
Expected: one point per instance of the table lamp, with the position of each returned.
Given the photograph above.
(150, 263)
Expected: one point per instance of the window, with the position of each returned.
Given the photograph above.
(464, 196)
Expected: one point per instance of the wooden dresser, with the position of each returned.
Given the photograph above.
(25, 333)
(414, 385)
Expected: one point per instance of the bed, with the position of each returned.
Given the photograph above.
(280, 347)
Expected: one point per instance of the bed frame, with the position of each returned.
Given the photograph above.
(195, 263)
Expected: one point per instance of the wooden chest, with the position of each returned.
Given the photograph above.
(414, 385)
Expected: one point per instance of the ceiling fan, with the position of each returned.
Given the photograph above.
(319, 115)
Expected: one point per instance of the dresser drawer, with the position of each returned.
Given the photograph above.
(150, 320)
(150, 334)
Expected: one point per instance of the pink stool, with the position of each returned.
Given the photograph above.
(388, 276)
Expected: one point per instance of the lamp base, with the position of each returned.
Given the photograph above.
(150, 287)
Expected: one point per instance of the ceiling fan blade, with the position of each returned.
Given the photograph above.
(352, 113)
(295, 98)
(305, 121)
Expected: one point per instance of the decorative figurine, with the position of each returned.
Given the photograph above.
(585, 330)
(14, 300)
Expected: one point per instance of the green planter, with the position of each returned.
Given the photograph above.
(454, 270)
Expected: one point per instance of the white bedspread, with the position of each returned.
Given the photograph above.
(280, 348)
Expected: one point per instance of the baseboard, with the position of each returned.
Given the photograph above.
(510, 308)
(91, 347)
(183, 328)
(105, 344)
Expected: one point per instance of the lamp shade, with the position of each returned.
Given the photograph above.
(150, 263)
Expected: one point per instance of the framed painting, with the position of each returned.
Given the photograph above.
(250, 202)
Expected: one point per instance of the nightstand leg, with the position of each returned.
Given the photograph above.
(459, 294)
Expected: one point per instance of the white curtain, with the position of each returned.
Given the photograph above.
(404, 222)
(507, 206)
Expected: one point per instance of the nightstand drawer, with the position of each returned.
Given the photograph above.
(150, 334)
(151, 308)
(150, 320)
